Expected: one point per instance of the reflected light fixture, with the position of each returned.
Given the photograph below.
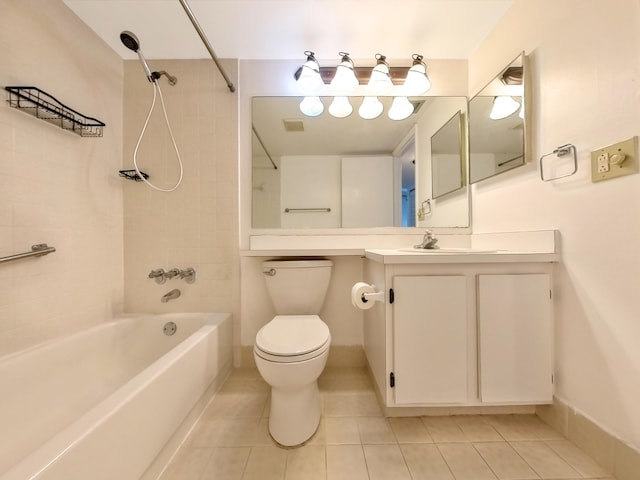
(503, 106)
(370, 108)
(417, 81)
(380, 80)
(340, 107)
(401, 108)
(308, 76)
(345, 77)
(311, 106)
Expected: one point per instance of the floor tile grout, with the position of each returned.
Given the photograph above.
(348, 402)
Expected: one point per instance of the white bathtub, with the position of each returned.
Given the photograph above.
(102, 403)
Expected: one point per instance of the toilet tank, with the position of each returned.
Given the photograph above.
(297, 287)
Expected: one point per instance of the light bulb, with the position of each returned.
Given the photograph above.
(340, 107)
(371, 108)
(503, 106)
(400, 109)
(311, 106)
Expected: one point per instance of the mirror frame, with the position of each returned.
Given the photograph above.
(522, 59)
(457, 121)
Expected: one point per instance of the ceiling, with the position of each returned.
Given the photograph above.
(284, 29)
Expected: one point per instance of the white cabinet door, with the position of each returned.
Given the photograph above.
(430, 339)
(516, 338)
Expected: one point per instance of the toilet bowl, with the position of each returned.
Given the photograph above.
(291, 350)
(291, 353)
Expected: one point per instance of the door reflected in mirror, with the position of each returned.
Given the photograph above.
(328, 172)
(497, 133)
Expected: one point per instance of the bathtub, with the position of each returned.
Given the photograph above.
(101, 404)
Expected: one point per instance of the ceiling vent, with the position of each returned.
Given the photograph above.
(293, 125)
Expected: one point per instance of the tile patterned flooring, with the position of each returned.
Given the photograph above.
(356, 442)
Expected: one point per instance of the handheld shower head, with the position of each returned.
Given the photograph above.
(131, 42)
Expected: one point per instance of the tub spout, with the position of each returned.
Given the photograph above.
(175, 293)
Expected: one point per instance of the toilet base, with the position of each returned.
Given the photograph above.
(294, 414)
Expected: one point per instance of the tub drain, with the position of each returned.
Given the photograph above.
(169, 328)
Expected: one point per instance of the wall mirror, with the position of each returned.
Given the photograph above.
(497, 133)
(328, 172)
(447, 157)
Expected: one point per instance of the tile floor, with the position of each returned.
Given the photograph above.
(355, 441)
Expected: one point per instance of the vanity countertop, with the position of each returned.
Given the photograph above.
(403, 256)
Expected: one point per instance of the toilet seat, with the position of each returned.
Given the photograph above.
(292, 338)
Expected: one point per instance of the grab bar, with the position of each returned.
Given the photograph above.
(292, 210)
(36, 251)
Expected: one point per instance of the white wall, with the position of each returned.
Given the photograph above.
(55, 186)
(584, 59)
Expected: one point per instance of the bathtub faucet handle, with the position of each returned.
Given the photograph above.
(188, 274)
(158, 275)
(173, 273)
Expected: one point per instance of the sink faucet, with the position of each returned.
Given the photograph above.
(175, 293)
(428, 241)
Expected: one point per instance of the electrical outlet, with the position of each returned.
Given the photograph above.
(603, 162)
(615, 160)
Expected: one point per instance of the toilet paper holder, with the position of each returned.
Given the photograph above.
(373, 296)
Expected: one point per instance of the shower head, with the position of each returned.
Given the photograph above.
(131, 42)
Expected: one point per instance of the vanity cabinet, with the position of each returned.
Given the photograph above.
(462, 334)
(430, 339)
(515, 338)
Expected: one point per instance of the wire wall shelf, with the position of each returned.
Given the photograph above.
(41, 105)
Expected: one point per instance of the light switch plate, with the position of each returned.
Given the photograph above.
(603, 169)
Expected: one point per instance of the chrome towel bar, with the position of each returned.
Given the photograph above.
(36, 251)
(293, 210)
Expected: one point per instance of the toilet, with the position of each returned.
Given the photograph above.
(292, 349)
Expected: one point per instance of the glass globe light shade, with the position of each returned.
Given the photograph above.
(371, 108)
(380, 81)
(310, 80)
(340, 107)
(503, 106)
(345, 77)
(311, 106)
(400, 109)
(417, 81)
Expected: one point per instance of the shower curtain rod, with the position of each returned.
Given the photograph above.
(203, 37)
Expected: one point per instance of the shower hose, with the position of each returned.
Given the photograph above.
(156, 91)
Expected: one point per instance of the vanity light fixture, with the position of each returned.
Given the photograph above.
(311, 106)
(345, 77)
(308, 75)
(503, 106)
(370, 108)
(417, 81)
(380, 80)
(340, 107)
(400, 109)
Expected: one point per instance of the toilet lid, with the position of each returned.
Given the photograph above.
(292, 335)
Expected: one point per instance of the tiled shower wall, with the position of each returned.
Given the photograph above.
(56, 187)
(197, 224)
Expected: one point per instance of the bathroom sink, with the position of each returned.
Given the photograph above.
(461, 250)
